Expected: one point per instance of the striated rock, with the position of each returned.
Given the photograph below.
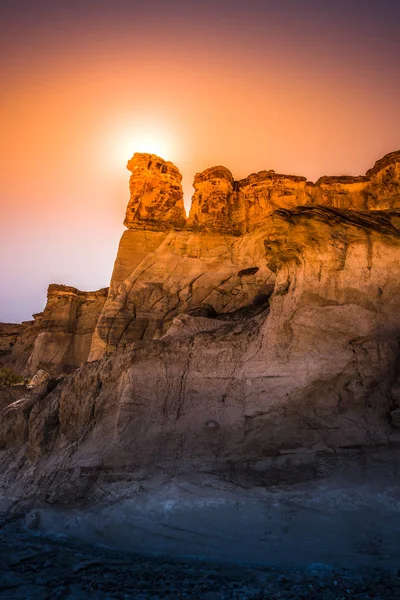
(57, 340)
(9, 333)
(214, 202)
(187, 270)
(222, 204)
(379, 189)
(258, 342)
(264, 192)
(11, 393)
(65, 329)
(39, 381)
(167, 265)
(17, 341)
(289, 392)
(160, 274)
(156, 200)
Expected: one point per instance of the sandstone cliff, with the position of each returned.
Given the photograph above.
(258, 341)
(58, 339)
(166, 266)
(17, 341)
(222, 204)
(66, 329)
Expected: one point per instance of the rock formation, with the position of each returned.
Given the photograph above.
(17, 341)
(66, 329)
(156, 201)
(258, 340)
(166, 266)
(222, 204)
(57, 340)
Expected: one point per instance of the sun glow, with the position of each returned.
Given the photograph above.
(141, 139)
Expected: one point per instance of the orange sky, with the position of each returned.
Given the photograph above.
(251, 86)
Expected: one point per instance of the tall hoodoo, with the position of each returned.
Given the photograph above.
(215, 203)
(156, 197)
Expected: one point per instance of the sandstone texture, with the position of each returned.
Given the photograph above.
(182, 270)
(166, 266)
(58, 339)
(156, 200)
(222, 204)
(66, 329)
(16, 343)
(278, 391)
(253, 345)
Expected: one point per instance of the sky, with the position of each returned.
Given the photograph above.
(305, 87)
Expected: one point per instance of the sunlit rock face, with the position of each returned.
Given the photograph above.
(214, 202)
(156, 197)
(221, 204)
(166, 266)
(262, 193)
(65, 329)
(283, 391)
(257, 340)
(181, 271)
(379, 189)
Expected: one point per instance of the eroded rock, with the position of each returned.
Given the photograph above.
(156, 200)
(258, 342)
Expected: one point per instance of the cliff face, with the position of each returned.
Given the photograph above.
(167, 265)
(258, 340)
(66, 328)
(313, 371)
(284, 391)
(58, 339)
(181, 271)
(17, 341)
(222, 204)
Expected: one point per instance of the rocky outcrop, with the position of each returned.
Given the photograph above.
(66, 328)
(289, 390)
(258, 341)
(222, 204)
(9, 333)
(186, 270)
(166, 266)
(242, 396)
(214, 202)
(156, 200)
(17, 341)
(58, 339)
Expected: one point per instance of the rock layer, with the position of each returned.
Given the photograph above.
(186, 270)
(58, 339)
(222, 204)
(167, 264)
(66, 328)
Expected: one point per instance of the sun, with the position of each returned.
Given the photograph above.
(141, 139)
